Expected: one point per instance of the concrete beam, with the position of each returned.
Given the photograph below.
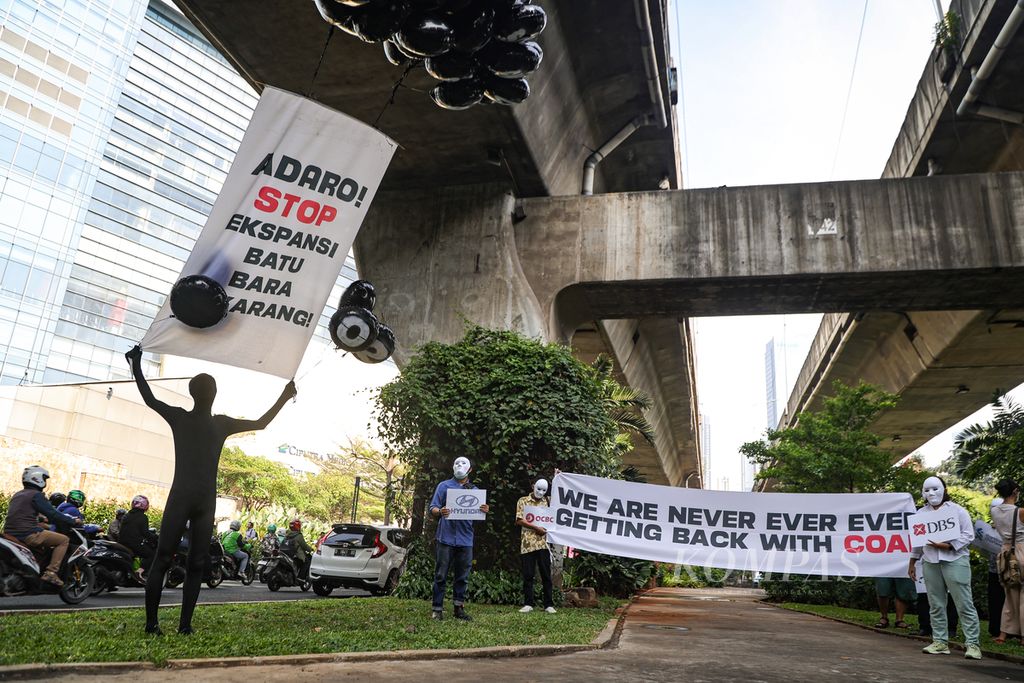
(950, 242)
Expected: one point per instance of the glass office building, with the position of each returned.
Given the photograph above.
(112, 153)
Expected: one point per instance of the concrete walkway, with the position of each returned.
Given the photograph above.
(728, 636)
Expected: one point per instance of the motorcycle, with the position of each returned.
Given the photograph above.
(21, 570)
(213, 571)
(112, 564)
(229, 565)
(283, 570)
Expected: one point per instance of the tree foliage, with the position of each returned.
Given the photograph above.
(255, 481)
(832, 450)
(993, 450)
(516, 407)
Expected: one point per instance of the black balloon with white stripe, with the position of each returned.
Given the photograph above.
(355, 329)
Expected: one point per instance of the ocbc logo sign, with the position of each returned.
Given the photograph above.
(531, 518)
(467, 500)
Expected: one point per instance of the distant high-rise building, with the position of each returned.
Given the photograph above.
(705, 446)
(771, 393)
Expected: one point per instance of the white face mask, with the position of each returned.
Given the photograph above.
(461, 468)
(933, 491)
(540, 488)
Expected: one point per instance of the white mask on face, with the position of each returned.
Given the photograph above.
(540, 488)
(461, 468)
(933, 491)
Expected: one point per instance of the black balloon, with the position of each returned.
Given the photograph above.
(510, 60)
(458, 94)
(381, 348)
(376, 21)
(360, 293)
(338, 15)
(451, 66)
(353, 328)
(199, 301)
(520, 23)
(506, 90)
(394, 54)
(471, 28)
(424, 35)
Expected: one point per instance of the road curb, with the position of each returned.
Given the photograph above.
(62, 610)
(1015, 659)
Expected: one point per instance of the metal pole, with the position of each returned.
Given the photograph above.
(355, 501)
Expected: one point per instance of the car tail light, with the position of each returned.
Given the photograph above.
(380, 548)
(320, 542)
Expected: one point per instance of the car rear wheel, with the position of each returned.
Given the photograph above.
(322, 589)
(390, 584)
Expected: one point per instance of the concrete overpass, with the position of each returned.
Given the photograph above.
(944, 364)
(458, 175)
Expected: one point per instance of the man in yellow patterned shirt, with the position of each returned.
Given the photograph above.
(534, 551)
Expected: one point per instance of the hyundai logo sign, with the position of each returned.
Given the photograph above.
(467, 500)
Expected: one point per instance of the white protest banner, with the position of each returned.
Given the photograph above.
(543, 517)
(465, 503)
(986, 539)
(933, 525)
(841, 534)
(278, 233)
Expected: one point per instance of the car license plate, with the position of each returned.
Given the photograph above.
(345, 552)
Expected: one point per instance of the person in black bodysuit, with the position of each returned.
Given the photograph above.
(198, 439)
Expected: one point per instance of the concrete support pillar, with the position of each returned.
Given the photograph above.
(442, 257)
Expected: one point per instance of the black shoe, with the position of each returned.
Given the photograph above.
(460, 613)
(154, 629)
(437, 615)
(185, 630)
(112, 589)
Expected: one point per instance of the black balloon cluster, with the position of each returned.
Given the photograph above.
(199, 301)
(354, 328)
(479, 50)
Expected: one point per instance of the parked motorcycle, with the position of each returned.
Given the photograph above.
(283, 570)
(21, 570)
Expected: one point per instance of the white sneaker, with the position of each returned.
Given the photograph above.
(550, 610)
(526, 608)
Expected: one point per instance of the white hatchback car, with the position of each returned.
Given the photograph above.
(359, 556)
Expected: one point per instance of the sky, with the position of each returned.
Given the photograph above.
(764, 97)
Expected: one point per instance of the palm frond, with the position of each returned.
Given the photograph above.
(634, 422)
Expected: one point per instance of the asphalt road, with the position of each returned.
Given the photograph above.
(229, 591)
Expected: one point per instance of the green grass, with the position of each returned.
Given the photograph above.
(279, 628)
(870, 618)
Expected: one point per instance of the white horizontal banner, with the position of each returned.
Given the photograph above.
(825, 534)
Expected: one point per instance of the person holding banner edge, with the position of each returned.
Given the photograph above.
(198, 440)
(454, 544)
(534, 553)
(947, 567)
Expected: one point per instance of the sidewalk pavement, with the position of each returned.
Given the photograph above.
(669, 635)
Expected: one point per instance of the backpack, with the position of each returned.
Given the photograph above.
(1006, 561)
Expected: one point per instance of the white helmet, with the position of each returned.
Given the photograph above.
(35, 476)
(235, 525)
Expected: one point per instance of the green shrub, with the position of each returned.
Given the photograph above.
(608, 575)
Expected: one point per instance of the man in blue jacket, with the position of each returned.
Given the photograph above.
(454, 543)
(23, 521)
(72, 507)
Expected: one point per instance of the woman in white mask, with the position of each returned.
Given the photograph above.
(947, 569)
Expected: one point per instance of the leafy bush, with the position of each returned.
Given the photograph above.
(489, 586)
(606, 574)
(689, 576)
(516, 407)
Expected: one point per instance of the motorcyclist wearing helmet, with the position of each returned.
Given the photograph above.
(57, 499)
(22, 521)
(73, 508)
(135, 534)
(235, 545)
(114, 528)
(295, 540)
(270, 541)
